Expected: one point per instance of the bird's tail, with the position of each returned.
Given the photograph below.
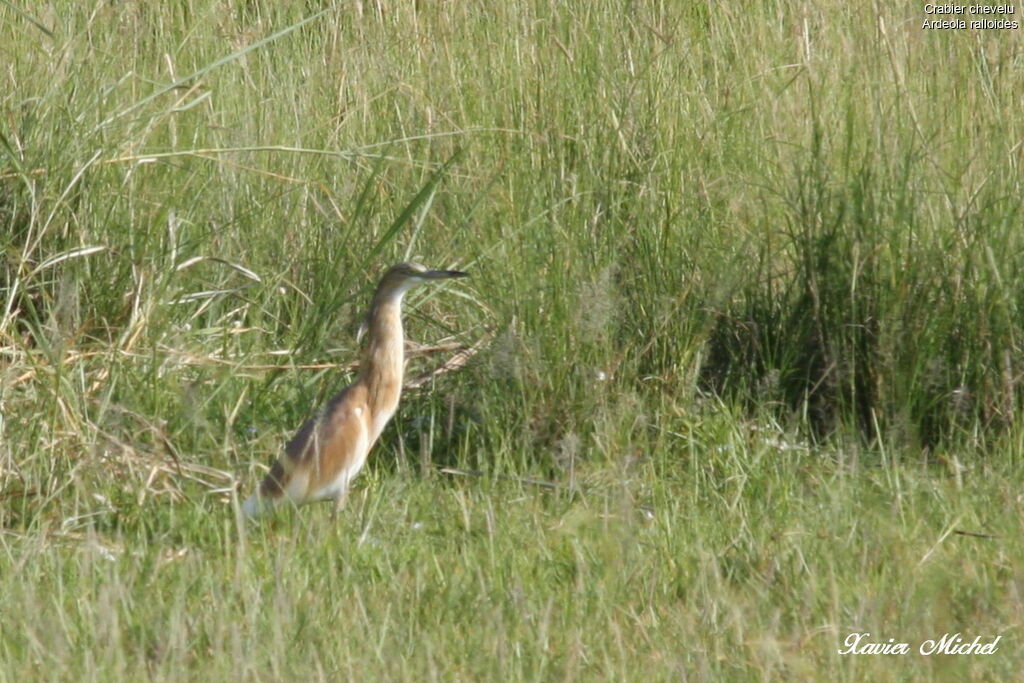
(268, 494)
(255, 505)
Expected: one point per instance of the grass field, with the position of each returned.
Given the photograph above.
(745, 285)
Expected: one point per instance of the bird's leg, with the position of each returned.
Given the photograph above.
(339, 503)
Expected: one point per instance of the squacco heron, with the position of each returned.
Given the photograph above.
(328, 451)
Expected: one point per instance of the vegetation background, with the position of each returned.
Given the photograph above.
(746, 289)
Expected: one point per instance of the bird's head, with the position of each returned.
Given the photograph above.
(402, 277)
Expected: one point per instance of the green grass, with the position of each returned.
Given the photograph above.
(747, 281)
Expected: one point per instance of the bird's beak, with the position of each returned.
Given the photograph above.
(443, 274)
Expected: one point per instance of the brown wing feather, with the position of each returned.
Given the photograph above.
(303, 445)
(343, 424)
(324, 443)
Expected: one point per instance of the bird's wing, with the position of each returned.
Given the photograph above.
(323, 448)
(311, 436)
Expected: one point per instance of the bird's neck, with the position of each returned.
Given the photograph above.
(384, 359)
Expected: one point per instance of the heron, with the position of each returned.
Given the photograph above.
(325, 455)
